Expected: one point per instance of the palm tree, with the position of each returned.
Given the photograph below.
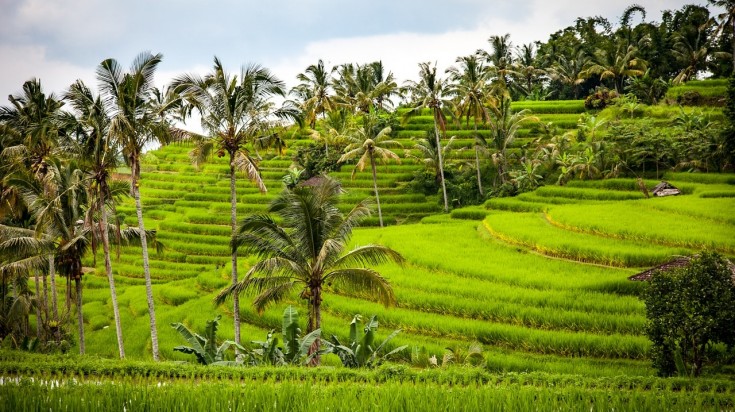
(500, 58)
(305, 251)
(34, 119)
(726, 21)
(504, 125)
(617, 65)
(364, 87)
(63, 229)
(91, 124)
(313, 92)
(136, 120)
(235, 112)
(569, 71)
(367, 144)
(471, 90)
(429, 93)
(693, 57)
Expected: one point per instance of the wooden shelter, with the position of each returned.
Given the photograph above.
(676, 263)
(665, 189)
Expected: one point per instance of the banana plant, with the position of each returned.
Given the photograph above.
(295, 349)
(205, 347)
(361, 351)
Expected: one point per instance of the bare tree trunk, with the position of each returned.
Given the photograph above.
(441, 166)
(375, 186)
(54, 295)
(39, 321)
(315, 322)
(45, 297)
(146, 267)
(233, 227)
(477, 159)
(110, 278)
(80, 315)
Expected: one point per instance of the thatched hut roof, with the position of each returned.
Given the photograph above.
(665, 189)
(318, 180)
(678, 262)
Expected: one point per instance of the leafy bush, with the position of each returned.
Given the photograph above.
(360, 351)
(600, 98)
(689, 309)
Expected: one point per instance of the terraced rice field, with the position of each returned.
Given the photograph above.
(540, 281)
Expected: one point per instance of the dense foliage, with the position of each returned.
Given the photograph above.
(689, 311)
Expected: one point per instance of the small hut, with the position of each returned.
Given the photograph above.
(318, 180)
(665, 189)
(676, 263)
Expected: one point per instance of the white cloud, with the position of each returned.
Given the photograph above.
(21, 63)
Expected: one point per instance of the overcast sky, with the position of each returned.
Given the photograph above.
(60, 41)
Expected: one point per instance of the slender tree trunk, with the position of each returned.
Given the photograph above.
(441, 166)
(80, 315)
(54, 295)
(315, 322)
(68, 295)
(375, 186)
(39, 321)
(146, 267)
(45, 297)
(110, 278)
(233, 227)
(477, 159)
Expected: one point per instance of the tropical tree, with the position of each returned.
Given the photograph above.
(235, 112)
(33, 121)
(313, 93)
(504, 125)
(470, 88)
(568, 71)
(429, 93)
(99, 154)
(364, 87)
(305, 251)
(137, 119)
(500, 59)
(694, 56)
(617, 65)
(370, 146)
(726, 21)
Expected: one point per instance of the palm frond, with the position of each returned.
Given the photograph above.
(363, 282)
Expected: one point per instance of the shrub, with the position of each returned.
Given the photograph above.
(600, 98)
(689, 309)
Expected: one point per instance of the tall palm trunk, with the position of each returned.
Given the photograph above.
(441, 165)
(80, 315)
(110, 278)
(39, 321)
(146, 268)
(375, 186)
(233, 226)
(45, 297)
(54, 295)
(315, 322)
(477, 158)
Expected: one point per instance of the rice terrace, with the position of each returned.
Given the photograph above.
(547, 226)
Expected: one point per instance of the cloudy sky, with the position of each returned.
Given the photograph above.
(60, 41)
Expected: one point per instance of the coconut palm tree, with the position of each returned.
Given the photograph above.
(235, 112)
(568, 71)
(91, 124)
(471, 90)
(371, 146)
(305, 251)
(313, 93)
(500, 59)
(504, 125)
(616, 65)
(726, 21)
(137, 119)
(429, 93)
(63, 229)
(33, 118)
